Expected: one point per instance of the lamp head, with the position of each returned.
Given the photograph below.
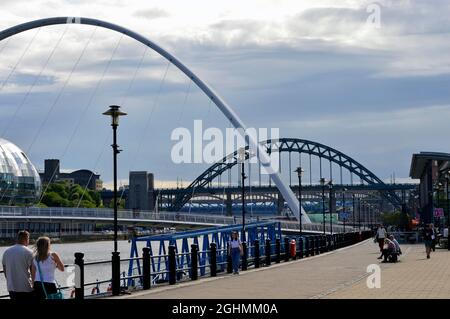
(115, 113)
(323, 181)
(299, 171)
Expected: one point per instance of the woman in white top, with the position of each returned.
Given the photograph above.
(236, 251)
(48, 263)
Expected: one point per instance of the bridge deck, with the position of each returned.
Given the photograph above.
(338, 274)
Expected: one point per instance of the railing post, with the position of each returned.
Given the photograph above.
(268, 252)
(307, 247)
(229, 261)
(194, 261)
(244, 256)
(313, 247)
(286, 248)
(256, 244)
(317, 244)
(146, 278)
(278, 250)
(79, 276)
(115, 265)
(300, 247)
(172, 265)
(213, 259)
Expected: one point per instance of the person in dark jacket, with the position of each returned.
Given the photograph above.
(428, 239)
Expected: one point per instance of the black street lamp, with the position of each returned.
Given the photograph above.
(115, 113)
(299, 172)
(242, 154)
(323, 182)
(330, 187)
(343, 206)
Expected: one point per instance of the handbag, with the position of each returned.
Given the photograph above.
(57, 295)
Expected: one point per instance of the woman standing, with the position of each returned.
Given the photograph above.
(235, 250)
(43, 268)
(428, 239)
(380, 236)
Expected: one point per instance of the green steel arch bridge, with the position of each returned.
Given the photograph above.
(362, 182)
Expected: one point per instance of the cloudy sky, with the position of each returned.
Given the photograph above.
(370, 79)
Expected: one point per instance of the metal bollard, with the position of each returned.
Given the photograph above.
(277, 250)
(300, 247)
(172, 266)
(194, 262)
(146, 278)
(229, 260)
(268, 251)
(286, 248)
(213, 259)
(115, 271)
(256, 244)
(79, 276)
(244, 256)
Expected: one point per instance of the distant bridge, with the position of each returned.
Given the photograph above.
(368, 184)
(10, 216)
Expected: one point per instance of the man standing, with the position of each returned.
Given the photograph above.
(381, 235)
(16, 265)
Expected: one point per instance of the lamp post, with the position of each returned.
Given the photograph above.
(243, 177)
(354, 211)
(300, 171)
(322, 182)
(343, 206)
(115, 113)
(359, 213)
(330, 204)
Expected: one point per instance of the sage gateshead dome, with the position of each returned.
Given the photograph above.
(19, 180)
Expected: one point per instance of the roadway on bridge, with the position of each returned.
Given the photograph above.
(338, 274)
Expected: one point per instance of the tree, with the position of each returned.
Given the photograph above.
(62, 194)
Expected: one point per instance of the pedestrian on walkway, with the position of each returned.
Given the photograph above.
(17, 265)
(236, 251)
(43, 269)
(433, 237)
(428, 239)
(380, 236)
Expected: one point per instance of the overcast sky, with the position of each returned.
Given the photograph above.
(374, 87)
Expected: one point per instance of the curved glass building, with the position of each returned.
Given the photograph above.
(19, 180)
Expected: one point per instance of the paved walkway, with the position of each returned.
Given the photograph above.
(338, 274)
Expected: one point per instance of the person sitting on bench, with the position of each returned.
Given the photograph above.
(398, 250)
(388, 250)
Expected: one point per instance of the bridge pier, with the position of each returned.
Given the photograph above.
(229, 204)
(280, 204)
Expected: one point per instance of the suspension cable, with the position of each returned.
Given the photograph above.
(91, 99)
(35, 80)
(148, 121)
(55, 102)
(20, 59)
(125, 96)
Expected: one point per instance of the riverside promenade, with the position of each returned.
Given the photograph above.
(337, 274)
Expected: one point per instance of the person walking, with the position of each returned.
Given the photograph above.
(45, 262)
(433, 237)
(16, 263)
(428, 239)
(380, 236)
(235, 251)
